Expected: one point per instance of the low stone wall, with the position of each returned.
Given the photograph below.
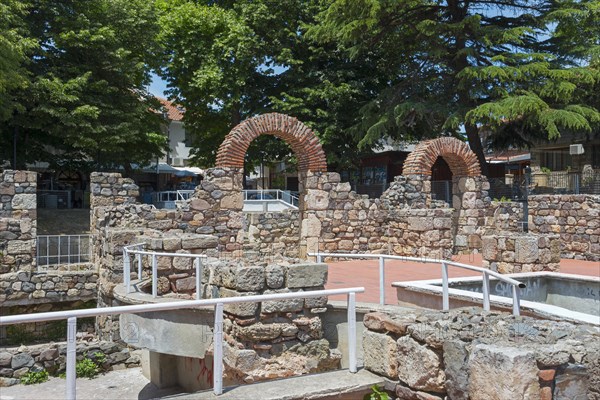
(18, 220)
(504, 216)
(26, 287)
(273, 234)
(465, 354)
(272, 339)
(576, 218)
(509, 252)
(15, 362)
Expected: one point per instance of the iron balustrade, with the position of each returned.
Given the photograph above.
(516, 306)
(137, 250)
(167, 199)
(62, 250)
(72, 315)
(272, 194)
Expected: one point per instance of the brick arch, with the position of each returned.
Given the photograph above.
(462, 161)
(298, 136)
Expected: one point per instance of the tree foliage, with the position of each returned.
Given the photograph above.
(228, 61)
(460, 66)
(84, 98)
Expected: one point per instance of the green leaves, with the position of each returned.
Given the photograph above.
(84, 96)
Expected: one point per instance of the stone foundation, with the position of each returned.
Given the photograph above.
(15, 362)
(18, 221)
(465, 354)
(509, 253)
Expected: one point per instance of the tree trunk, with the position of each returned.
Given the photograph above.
(477, 147)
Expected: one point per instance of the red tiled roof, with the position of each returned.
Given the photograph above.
(174, 112)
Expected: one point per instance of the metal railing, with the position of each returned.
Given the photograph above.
(442, 190)
(63, 250)
(72, 315)
(167, 199)
(272, 194)
(137, 250)
(444, 264)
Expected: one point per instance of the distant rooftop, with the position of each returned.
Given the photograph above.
(174, 112)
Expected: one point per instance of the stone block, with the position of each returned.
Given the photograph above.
(514, 372)
(572, 384)
(275, 276)
(419, 367)
(288, 305)
(306, 275)
(420, 224)
(21, 360)
(24, 201)
(456, 369)
(249, 278)
(199, 242)
(526, 249)
(240, 309)
(380, 354)
(5, 359)
(20, 247)
(186, 284)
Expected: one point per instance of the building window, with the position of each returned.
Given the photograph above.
(556, 159)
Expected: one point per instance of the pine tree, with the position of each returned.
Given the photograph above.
(463, 66)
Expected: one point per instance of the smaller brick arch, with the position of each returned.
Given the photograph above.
(298, 136)
(462, 161)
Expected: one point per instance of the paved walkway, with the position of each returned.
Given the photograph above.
(366, 273)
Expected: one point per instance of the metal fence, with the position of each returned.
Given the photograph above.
(63, 250)
(486, 273)
(167, 199)
(72, 316)
(441, 190)
(283, 196)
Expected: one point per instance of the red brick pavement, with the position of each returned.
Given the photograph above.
(343, 274)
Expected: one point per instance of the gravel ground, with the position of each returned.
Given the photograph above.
(115, 385)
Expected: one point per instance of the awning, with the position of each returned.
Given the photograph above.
(189, 171)
(163, 168)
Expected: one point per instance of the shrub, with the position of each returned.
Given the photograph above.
(31, 377)
(86, 368)
(377, 394)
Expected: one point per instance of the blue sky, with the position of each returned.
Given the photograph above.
(158, 86)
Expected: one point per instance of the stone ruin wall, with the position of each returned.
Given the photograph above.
(18, 220)
(20, 282)
(464, 354)
(575, 218)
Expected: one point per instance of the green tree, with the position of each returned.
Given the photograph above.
(228, 61)
(460, 66)
(85, 101)
(14, 47)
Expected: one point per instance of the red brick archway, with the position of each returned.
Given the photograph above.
(298, 136)
(462, 161)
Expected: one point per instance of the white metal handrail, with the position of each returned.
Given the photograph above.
(444, 264)
(137, 249)
(271, 194)
(72, 315)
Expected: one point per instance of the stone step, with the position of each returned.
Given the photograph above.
(324, 386)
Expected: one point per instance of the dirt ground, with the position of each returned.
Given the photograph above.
(63, 222)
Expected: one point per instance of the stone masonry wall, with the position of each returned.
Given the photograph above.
(25, 287)
(335, 219)
(509, 252)
(272, 339)
(273, 234)
(18, 220)
(468, 355)
(576, 218)
(15, 362)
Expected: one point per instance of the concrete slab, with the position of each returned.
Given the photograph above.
(330, 385)
(123, 385)
(131, 384)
